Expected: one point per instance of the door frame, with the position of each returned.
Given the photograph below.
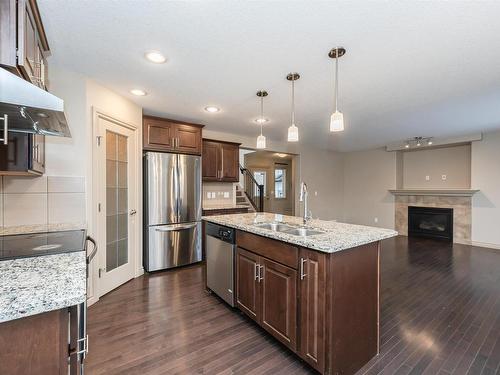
(92, 206)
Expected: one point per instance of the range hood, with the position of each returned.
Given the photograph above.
(30, 109)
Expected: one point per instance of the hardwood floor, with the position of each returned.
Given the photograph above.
(440, 314)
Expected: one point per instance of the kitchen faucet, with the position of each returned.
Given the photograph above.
(303, 198)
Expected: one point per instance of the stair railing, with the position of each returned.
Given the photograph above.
(253, 190)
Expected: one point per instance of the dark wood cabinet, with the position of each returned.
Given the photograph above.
(40, 344)
(312, 279)
(323, 306)
(23, 42)
(171, 136)
(23, 155)
(279, 301)
(221, 161)
(210, 161)
(266, 292)
(247, 283)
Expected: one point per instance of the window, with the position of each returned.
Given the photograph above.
(260, 177)
(280, 183)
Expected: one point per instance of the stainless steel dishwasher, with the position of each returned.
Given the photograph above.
(220, 247)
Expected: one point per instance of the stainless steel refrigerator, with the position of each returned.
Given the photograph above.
(172, 210)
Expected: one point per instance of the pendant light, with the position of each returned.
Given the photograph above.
(293, 131)
(261, 140)
(337, 118)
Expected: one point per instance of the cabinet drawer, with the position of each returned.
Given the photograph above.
(275, 250)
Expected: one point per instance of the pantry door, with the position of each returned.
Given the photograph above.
(117, 197)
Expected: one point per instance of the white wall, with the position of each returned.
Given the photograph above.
(73, 156)
(367, 177)
(453, 162)
(485, 175)
(320, 169)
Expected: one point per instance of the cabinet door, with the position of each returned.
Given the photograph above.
(188, 139)
(35, 345)
(279, 301)
(37, 143)
(247, 283)
(27, 42)
(230, 158)
(312, 280)
(210, 161)
(8, 47)
(158, 135)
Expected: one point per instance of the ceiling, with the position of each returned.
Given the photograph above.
(411, 68)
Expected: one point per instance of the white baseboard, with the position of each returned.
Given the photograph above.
(139, 272)
(486, 244)
(92, 300)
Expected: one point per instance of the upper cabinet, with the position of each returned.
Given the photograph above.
(220, 161)
(23, 44)
(23, 156)
(165, 135)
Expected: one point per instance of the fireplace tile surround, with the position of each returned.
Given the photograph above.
(462, 213)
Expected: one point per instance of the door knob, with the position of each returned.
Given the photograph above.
(132, 212)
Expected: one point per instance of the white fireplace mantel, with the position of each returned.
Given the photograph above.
(436, 192)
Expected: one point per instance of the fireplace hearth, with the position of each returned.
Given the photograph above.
(430, 222)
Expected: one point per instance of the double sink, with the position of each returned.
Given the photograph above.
(289, 229)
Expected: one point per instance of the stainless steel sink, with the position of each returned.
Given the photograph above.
(288, 229)
(304, 232)
(276, 227)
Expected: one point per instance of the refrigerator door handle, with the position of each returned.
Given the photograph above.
(174, 227)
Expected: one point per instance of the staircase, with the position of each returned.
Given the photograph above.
(242, 199)
(252, 193)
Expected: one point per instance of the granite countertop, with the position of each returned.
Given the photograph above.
(336, 236)
(30, 286)
(224, 207)
(24, 229)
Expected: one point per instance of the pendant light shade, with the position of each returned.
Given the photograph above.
(337, 122)
(293, 133)
(261, 140)
(293, 130)
(337, 118)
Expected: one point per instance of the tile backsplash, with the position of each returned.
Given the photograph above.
(218, 193)
(41, 201)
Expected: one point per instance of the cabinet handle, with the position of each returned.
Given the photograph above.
(302, 274)
(222, 166)
(256, 271)
(261, 274)
(5, 138)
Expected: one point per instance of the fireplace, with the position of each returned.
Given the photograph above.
(430, 222)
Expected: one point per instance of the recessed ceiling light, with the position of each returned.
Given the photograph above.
(155, 57)
(212, 109)
(261, 120)
(138, 92)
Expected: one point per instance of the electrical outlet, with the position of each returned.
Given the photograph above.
(427, 178)
(209, 195)
(443, 177)
(375, 220)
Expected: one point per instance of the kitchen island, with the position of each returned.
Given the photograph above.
(43, 288)
(314, 287)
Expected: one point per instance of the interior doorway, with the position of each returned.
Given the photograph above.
(116, 176)
(276, 171)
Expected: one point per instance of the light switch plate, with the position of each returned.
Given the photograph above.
(226, 194)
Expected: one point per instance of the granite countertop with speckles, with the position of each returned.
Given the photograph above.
(224, 207)
(34, 285)
(335, 236)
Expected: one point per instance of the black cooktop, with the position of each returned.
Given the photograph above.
(37, 244)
